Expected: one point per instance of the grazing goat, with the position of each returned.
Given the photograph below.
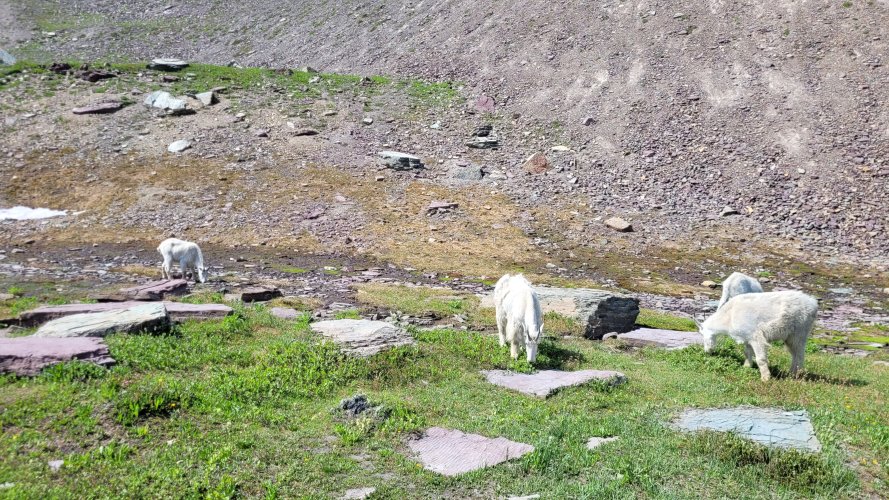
(738, 284)
(757, 319)
(519, 320)
(187, 254)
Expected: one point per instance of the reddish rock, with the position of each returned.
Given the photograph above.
(545, 382)
(28, 355)
(536, 164)
(98, 109)
(156, 290)
(451, 452)
(668, 339)
(485, 103)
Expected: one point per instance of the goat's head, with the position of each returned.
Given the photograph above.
(708, 335)
(532, 339)
(202, 274)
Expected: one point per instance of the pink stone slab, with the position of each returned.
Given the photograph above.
(668, 339)
(545, 382)
(451, 452)
(28, 355)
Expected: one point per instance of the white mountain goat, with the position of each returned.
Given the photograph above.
(519, 319)
(757, 319)
(187, 254)
(737, 284)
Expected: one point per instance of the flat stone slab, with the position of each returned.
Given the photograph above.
(451, 452)
(598, 311)
(285, 313)
(545, 382)
(255, 294)
(595, 442)
(156, 290)
(769, 426)
(358, 493)
(27, 356)
(99, 108)
(178, 311)
(363, 337)
(667, 339)
(147, 317)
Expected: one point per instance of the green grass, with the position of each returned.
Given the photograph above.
(243, 407)
(290, 269)
(655, 319)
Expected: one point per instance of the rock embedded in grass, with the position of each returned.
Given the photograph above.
(145, 317)
(772, 427)
(668, 339)
(544, 383)
(358, 493)
(178, 311)
(284, 312)
(451, 452)
(362, 337)
(595, 442)
(27, 356)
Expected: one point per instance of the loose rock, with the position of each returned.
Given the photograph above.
(400, 161)
(164, 101)
(100, 108)
(536, 164)
(207, 98)
(619, 225)
(167, 64)
(546, 382)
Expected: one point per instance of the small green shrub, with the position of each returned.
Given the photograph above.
(152, 397)
(73, 371)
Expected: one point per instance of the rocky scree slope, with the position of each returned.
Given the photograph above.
(674, 109)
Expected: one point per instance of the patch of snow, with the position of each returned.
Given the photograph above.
(26, 213)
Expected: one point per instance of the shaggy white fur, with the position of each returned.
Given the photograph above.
(738, 284)
(757, 319)
(187, 254)
(519, 319)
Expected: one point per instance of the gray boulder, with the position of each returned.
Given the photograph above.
(166, 102)
(768, 426)
(167, 64)
(400, 161)
(6, 57)
(150, 317)
(26, 356)
(363, 337)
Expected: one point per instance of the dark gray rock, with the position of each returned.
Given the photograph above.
(256, 294)
(27, 356)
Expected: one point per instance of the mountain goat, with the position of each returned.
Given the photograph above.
(757, 319)
(519, 319)
(738, 284)
(187, 254)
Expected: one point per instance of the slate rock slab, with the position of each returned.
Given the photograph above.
(768, 426)
(178, 311)
(156, 290)
(147, 317)
(545, 382)
(27, 356)
(363, 337)
(98, 109)
(167, 64)
(257, 294)
(451, 452)
(599, 311)
(668, 339)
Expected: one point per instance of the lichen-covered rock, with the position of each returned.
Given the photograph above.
(146, 317)
(363, 337)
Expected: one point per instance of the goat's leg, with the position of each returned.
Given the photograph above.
(748, 355)
(797, 356)
(167, 268)
(501, 328)
(513, 334)
(183, 266)
(760, 349)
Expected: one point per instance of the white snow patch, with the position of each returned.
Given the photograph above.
(27, 213)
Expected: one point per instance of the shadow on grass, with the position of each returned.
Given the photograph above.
(551, 356)
(814, 377)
